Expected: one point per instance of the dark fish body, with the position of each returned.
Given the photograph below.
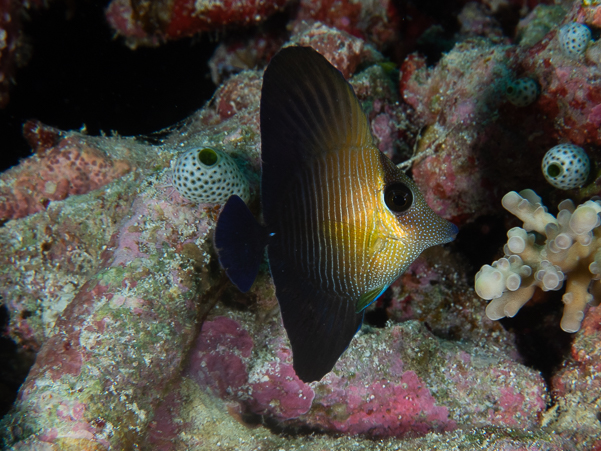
(342, 222)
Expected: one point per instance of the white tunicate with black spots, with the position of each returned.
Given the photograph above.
(522, 92)
(566, 166)
(574, 38)
(208, 175)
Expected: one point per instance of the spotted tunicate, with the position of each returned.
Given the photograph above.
(208, 175)
(522, 92)
(566, 166)
(574, 38)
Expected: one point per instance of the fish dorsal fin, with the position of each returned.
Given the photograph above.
(308, 109)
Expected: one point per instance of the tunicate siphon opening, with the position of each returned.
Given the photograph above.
(207, 156)
(554, 170)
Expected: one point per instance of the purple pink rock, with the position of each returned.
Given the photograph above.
(123, 337)
(576, 387)
(72, 165)
(126, 269)
(144, 23)
(400, 381)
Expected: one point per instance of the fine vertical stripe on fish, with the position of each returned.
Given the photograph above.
(341, 221)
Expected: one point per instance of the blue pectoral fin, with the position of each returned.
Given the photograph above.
(366, 299)
(239, 241)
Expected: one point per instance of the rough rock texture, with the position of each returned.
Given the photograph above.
(111, 284)
(474, 143)
(74, 165)
(234, 56)
(130, 322)
(577, 386)
(150, 23)
(400, 381)
(571, 94)
(344, 51)
(435, 291)
(376, 22)
(457, 102)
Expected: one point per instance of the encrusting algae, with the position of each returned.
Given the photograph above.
(143, 343)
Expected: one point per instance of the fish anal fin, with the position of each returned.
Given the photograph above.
(319, 322)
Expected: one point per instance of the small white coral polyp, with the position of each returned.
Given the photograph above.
(209, 175)
(571, 252)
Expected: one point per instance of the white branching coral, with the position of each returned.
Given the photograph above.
(571, 251)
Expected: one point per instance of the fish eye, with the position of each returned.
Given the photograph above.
(398, 197)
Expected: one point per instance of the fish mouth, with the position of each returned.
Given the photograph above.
(454, 231)
(450, 233)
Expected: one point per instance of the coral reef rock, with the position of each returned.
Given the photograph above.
(110, 277)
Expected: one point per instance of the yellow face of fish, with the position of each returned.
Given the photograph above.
(341, 221)
(356, 222)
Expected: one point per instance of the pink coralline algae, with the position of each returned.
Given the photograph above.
(219, 355)
(47, 257)
(396, 382)
(110, 276)
(474, 141)
(144, 23)
(455, 102)
(220, 359)
(72, 166)
(405, 407)
(570, 94)
(125, 317)
(375, 22)
(577, 386)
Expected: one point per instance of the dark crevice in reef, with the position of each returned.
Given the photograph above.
(278, 428)
(15, 365)
(443, 12)
(434, 43)
(288, 431)
(79, 74)
(508, 17)
(539, 339)
(481, 242)
(377, 316)
(429, 28)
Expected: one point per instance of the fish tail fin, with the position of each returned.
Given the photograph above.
(239, 241)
